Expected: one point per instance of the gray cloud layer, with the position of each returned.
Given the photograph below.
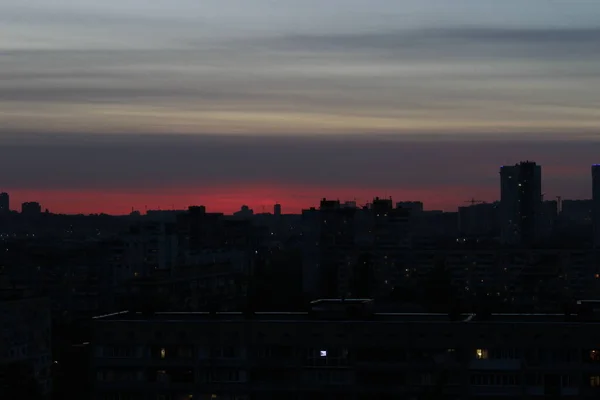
(162, 161)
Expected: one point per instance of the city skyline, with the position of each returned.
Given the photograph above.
(230, 202)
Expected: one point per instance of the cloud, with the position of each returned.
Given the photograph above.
(456, 42)
(141, 162)
(540, 35)
(150, 73)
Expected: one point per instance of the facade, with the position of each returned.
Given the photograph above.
(521, 202)
(548, 218)
(576, 212)
(343, 350)
(147, 248)
(479, 220)
(31, 208)
(596, 204)
(4, 203)
(25, 338)
(354, 252)
(337, 245)
(414, 206)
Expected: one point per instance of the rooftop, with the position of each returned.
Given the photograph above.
(312, 316)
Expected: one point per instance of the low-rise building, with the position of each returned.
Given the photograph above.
(344, 350)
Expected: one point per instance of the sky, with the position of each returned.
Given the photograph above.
(105, 106)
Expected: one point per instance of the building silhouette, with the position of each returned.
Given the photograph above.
(277, 209)
(576, 212)
(414, 206)
(244, 212)
(596, 203)
(31, 208)
(521, 202)
(4, 203)
(479, 220)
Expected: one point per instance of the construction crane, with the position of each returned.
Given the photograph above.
(473, 201)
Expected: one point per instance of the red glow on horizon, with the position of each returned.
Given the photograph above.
(229, 199)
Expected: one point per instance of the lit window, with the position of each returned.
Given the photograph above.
(482, 354)
(595, 381)
(163, 353)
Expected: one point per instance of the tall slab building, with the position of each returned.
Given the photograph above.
(521, 202)
(4, 203)
(596, 203)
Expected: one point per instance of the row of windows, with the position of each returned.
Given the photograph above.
(495, 379)
(335, 356)
(331, 377)
(166, 352)
(204, 396)
(160, 335)
(541, 355)
(533, 380)
(174, 375)
(313, 355)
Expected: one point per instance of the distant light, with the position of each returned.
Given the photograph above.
(323, 353)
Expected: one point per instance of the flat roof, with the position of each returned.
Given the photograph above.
(316, 317)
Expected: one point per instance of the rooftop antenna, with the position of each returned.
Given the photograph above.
(473, 201)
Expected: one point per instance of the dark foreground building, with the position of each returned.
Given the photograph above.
(343, 350)
(25, 345)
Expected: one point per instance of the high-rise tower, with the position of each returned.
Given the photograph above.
(4, 203)
(596, 203)
(521, 202)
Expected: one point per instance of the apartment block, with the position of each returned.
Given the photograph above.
(344, 350)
